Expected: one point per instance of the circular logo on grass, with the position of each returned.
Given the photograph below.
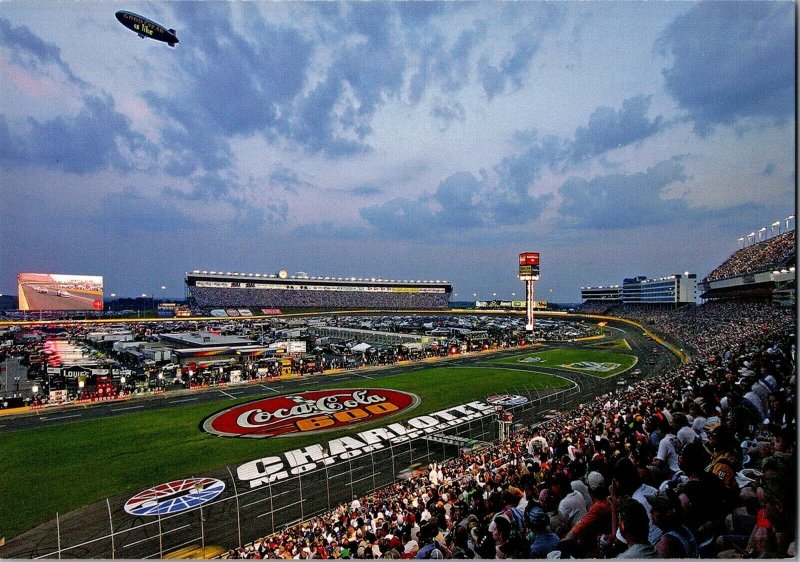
(175, 496)
(308, 412)
(507, 400)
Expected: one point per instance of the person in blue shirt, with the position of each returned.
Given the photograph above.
(542, 540)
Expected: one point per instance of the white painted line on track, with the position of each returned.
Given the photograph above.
(268, 388)
(126, 408)
(268, 498)
(226, 394)
(184, 400)
(279, 509)
(366, 477)
(364, 376)
(155, 537)
(60, 417)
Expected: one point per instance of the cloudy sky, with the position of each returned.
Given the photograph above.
(402, 140)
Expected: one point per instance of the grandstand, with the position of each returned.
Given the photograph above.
(300, 291)
(762, 270)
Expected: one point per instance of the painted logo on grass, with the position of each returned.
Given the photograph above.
(531, 360)
(308, 412)
(507, 400)
(174, 497)
(593, 366)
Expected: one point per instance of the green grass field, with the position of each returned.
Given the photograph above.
(65, 467)
(620, 345)
(572, 358)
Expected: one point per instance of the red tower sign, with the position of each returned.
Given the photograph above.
(529, 272)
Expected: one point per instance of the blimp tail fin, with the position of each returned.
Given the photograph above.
(172, 43)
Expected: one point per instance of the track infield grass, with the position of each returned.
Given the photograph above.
(65, 467)
(594, 362)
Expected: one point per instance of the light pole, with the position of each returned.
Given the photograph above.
(763, 230)
(788, 220)
(773, 225)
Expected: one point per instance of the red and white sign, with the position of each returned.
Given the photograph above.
(529, 258)
(308, 412)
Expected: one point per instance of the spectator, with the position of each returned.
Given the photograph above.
(543, 541)
(633, 524)
(677, 540)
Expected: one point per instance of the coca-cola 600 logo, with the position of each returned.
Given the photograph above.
(308, 412)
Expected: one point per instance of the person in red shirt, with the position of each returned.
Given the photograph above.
(596, 522)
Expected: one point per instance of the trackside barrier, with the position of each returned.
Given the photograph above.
(241, 514)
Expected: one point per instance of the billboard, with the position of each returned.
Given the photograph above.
(529, 266)
(51, 291)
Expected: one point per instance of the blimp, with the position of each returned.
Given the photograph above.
(145, 27)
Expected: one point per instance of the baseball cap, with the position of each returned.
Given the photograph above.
(537, 517)
(663, 500)
(595, 480)
(686, 435)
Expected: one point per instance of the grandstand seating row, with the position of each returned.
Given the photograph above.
(756, 258)
(279, 298)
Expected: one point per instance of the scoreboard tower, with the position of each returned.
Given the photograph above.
(529, 272)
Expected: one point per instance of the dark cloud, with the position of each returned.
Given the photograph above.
(366, 190)
(445, 114)
(128, 212)
(231, 85)
(402, 218)
(287, 179)
(335, 116)
(459, 198)
(514, 66)
(627, 201)
(448, 68)
(519, 171)
(462, 204)
(327, 230)
(276, 212)
(732, 60)
(30, 52)
(609, 129)
(98, 137)
(206, 187)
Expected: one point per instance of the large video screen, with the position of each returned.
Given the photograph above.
(50, 291)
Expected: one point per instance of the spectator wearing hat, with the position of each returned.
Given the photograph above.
(634, 526)
(597, 520)
(572, 506)
(543, 541)
(678, 541)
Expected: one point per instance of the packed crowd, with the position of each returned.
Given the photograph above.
(697, 462)
(209, 297)
(762, 256)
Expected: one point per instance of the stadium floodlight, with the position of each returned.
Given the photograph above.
(35, 389)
